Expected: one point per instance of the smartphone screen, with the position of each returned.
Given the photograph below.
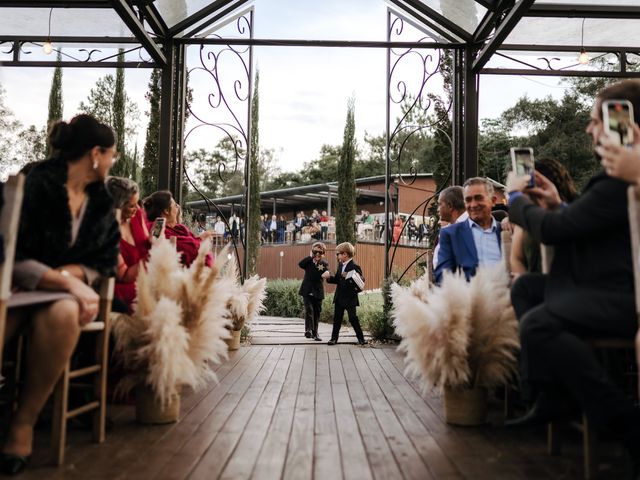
(522, 162)
(158, 224)
(617, 116)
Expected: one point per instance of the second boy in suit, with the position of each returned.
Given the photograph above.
(346, 296)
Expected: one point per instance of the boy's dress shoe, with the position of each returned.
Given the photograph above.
(332, 342)
(317, 338)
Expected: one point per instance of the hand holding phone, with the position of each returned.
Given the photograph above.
(158, 227)
(617, 117)
(522, 163)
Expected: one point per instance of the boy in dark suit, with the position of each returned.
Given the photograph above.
(312, 290)
(346, 296)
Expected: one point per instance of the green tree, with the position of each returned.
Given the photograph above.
(253, 207)
(100, 104)
(151, 153)
(346, 202)
(121, 168)
(56, 106)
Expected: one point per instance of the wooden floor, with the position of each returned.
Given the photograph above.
(312, 412)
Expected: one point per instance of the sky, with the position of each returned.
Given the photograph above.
(303, 91)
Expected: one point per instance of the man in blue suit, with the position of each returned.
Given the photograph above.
(465, 245)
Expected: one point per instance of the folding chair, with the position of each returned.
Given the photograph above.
(12, 195)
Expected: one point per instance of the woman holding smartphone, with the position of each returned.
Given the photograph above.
(134, 241)
(161, 204)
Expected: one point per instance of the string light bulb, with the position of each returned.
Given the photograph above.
(47, 46)
(583, 58)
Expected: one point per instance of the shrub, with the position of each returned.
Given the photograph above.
(283, 299)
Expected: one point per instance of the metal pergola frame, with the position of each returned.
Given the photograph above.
(165, 47)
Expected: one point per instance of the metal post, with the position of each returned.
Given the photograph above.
(281, 256)
(166, 117)
(387, 165)
(329, 203)
(470, 116)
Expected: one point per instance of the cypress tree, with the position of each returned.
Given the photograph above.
(149, 180)
(55, 98)
(253, 209)
(346, 202)
(121, 168)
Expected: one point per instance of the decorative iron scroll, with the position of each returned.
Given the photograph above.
(14, 50)
(623, 60)
(226, 109)
(412, 98)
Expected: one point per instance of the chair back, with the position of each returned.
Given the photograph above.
(12, 194)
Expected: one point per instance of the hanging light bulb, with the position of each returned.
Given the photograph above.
(47, 46)
(583, 58)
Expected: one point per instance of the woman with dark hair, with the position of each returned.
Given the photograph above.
(134, 241)
(68, 236)
(162, 204)
(525, 251)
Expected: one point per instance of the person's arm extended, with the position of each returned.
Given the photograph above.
(517, 253)
(601, 207)
(334, 278)
(304, 262)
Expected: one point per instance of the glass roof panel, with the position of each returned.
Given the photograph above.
(464, 13)
(568, 31)
(65, 22)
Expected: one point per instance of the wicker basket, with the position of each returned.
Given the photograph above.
(150, 411)
(233, 342)
(465, 406)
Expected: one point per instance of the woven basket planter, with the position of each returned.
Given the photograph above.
(233, 342)
(465, 406)
(150, 411)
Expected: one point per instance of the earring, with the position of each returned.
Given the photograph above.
(95, 163)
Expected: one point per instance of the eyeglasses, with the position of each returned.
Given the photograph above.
(317, 252)
(339, 253)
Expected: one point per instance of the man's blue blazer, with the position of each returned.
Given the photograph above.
(458, 250)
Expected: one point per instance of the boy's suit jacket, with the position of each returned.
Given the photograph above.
(345, 295)
(312, 281)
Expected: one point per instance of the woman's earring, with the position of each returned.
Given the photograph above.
(95, 163)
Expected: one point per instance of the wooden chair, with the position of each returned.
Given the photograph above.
(12, 194)
(589, 434)
(100, 328)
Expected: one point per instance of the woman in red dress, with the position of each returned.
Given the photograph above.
(134, 241)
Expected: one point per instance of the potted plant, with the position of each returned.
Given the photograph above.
(461, 338)
(177, 331)
(244, 304)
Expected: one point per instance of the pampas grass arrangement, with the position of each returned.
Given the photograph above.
(181, 320)
(461, 334)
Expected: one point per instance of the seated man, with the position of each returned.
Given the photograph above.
(451, 209)
(465, 245)
(588, 293)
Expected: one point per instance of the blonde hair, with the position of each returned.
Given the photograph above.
(319, 245)
(347, 248)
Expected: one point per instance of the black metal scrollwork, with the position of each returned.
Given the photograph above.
(230, 92)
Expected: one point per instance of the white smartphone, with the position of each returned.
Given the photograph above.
(617, 116)
(158, 226)
(522, 162)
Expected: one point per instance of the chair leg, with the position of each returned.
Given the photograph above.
(59, 423)
(589, 443)
(100, 387)
(554, 439)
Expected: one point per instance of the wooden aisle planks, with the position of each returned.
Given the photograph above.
(309, 412)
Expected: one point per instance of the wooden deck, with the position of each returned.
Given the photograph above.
(312, 412)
